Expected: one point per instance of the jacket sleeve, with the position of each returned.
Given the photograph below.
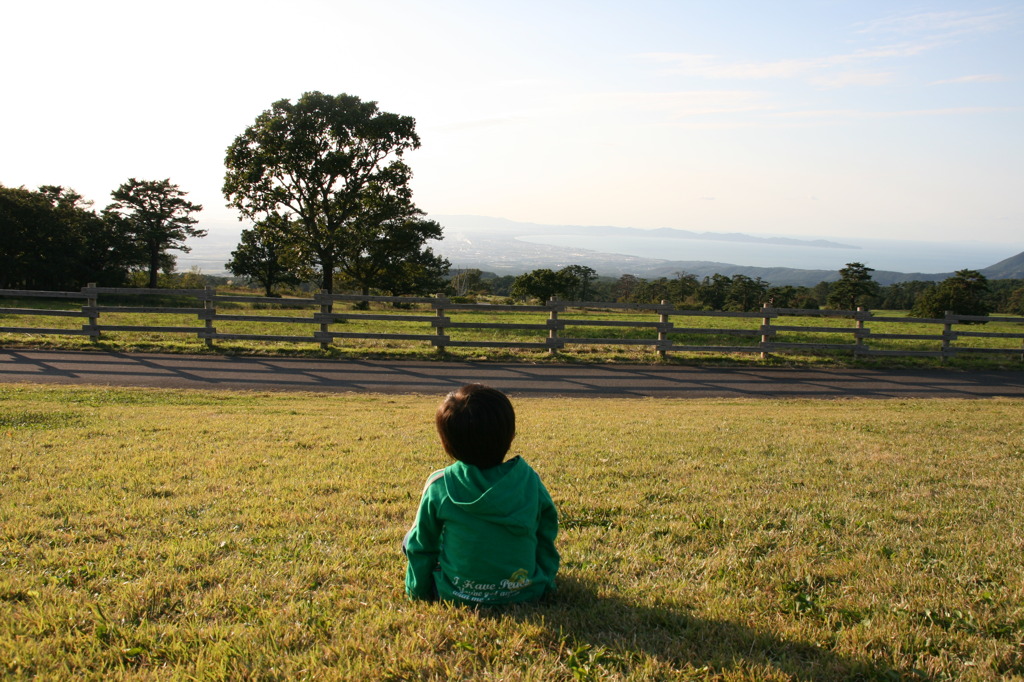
(547, 529)
(422, 547)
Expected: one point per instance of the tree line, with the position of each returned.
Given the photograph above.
(53, 239)
(966, 292)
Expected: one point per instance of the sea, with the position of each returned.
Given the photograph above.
(210, 253)
(880, 254)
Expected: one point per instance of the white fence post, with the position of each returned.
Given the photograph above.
(947, 335)
(552, 331)
(858, 342)
(92, 302)
(663, 330)
(210, 309)
(325, 325)
(439, 330)
(766, 332)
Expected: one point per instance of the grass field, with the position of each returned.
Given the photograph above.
(195, 535)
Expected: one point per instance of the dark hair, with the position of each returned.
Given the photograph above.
(476, 424)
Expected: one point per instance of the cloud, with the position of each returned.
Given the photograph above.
(911, 49)
(733, 109)
(940, 25)
(832, 115)
(843, 80)
(495, 122)
(907, 35)
(976, 78)
(830, 71)
(681, 104)
(709, 66)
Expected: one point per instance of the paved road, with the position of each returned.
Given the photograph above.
(435, 378)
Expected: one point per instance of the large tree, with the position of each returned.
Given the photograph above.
(1015, 302)
(965, 293)
(385, 249)
(37, 249)
(625, 288)
(541, 284)
(159, 219)
(265, 255)
(714, 291)
(745, 293)
(334, 165)
(577, 280)
(853, 288)
(53, 239)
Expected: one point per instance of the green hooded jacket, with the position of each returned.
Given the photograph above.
(483, 536)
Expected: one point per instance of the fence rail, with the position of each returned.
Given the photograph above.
(559, 330)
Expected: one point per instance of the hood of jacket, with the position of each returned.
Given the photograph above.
(507, 492)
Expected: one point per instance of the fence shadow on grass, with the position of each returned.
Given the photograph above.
(601, 631)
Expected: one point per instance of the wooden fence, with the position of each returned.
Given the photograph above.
(554, 334)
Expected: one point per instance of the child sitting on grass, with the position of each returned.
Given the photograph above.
(485, 529)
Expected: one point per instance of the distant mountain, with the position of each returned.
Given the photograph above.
(494, 244)
(675, 233)
(484, 224)
(1011, 268)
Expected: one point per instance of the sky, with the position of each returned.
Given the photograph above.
(878, 119)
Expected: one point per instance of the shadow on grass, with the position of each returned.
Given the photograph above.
(600, 632)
